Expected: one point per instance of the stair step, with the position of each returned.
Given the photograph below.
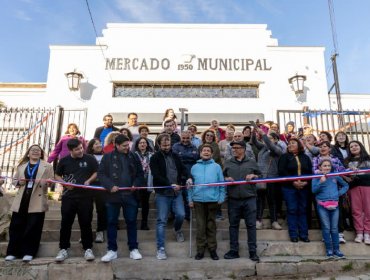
(174, 249)
(284, 267)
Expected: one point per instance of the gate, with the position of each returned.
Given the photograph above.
(355, 123)
(23, 127)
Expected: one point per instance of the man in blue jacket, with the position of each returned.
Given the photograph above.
(189, 155)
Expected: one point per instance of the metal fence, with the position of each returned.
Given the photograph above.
(23, 127)
(354, 122)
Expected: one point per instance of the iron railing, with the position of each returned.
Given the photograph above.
(354, 122)
(23, 127)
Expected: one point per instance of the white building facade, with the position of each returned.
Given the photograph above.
(208, 69)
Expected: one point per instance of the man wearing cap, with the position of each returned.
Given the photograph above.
(241, 199)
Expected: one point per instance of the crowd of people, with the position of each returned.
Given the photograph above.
(183, 170)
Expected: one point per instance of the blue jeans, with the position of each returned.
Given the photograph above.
(329, 227)
(164, 204)
(296, 204)
(129, 205)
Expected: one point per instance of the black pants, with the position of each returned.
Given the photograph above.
(242, 209)
(25, 233)
(144, 202)
(101, 210)
(83, 207)
(270, 194)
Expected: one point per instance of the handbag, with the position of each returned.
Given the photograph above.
(263, 186)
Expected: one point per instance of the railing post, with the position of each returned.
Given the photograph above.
(60, 119)
(183, 121)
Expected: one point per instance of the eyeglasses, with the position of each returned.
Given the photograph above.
(210, 135)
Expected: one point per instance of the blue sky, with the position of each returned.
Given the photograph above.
(28, 27)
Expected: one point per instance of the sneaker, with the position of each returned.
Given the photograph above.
(359, 238)
(341, 238)
(338, 254)
(219, 218)
(161, 254)
(62, 255)
(276, 225)
(99, 237)
(10, 258)
(109, 256)
(27, 258)
(179, 236)
(135, 255)
(259, 225)
(231, 255)
(89, 255)
(367, 238)
(329, 254)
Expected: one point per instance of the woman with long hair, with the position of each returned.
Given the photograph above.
(95, 148)
(268, 158)
(29, 205)
(109, 141)
(144, 153)
(296, 163)
(341, 145)
(169, 114)
(359, 192)
(61, 150)
(209, 137)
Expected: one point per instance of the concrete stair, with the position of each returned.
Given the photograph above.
(278, 255)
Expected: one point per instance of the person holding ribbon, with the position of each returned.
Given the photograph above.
(29, 205)
(76, 169)
(241, 199)
(206, 200)
(327, 191)
(144, 153)
(359, 192)
(169, 174)
(121, 169)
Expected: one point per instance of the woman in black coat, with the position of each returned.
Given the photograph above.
(295, 163)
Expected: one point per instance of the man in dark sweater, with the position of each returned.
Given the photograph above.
(168, 170)
(121, 169)
(241, 199)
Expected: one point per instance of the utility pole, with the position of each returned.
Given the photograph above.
(334, 64)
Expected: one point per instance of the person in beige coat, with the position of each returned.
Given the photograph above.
(29, 205)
